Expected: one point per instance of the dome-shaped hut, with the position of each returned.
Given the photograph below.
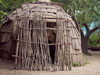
(44, 37)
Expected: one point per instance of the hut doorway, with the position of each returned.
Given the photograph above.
(51, 31)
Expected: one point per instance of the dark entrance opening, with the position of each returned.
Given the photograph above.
(51, 39)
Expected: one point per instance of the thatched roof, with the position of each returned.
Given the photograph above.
(49, 10)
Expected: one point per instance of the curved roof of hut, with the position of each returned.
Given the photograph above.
(48, 10)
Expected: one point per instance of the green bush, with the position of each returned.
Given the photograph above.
(2, 14)
(85, 59)
(77, 64)
(7, 6)
(93, 40)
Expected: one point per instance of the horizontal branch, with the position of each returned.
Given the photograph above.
(94, 29)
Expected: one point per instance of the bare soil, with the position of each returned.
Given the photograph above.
(93, 68)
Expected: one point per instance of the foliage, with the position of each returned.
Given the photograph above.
(10, 5)
(2, 14)
(85, 12)
(93, 40)
(76, 64)
(85, 59)
(7, 6)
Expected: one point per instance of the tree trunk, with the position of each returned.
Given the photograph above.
(84, 45)
(85, 38)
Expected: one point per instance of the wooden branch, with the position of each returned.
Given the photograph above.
(94, 29)
(75, 19)
(76, 22)
(3, 50)
(82, 34)
(91, 31)
(86, 26)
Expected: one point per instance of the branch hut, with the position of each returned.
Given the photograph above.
(42, 37)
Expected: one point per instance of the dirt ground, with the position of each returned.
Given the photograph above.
(93, 68)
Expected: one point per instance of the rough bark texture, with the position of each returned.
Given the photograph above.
(85, 46)
(85, 38)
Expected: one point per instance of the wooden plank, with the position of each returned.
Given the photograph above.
(46, 6)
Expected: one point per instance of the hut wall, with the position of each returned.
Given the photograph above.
(40, 29)
(76, 51)
(34, 47)
(5, 40)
